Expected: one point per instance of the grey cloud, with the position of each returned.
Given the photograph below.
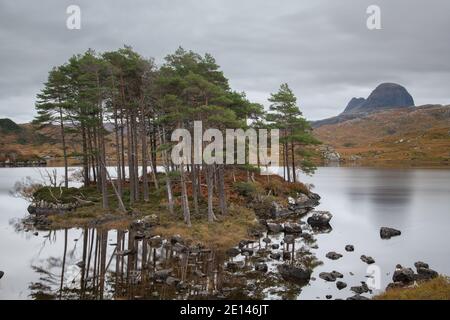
(322, 48)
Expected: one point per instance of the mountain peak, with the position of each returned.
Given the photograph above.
(385, 96)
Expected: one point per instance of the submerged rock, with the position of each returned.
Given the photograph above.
(387, 233)
(320, 219)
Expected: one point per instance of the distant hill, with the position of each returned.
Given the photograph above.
(385, 96)
(9, 126)
(420, 134)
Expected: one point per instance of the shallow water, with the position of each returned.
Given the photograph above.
(416, 201)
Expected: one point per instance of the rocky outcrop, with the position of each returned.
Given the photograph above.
(385, 96)
(329, 154)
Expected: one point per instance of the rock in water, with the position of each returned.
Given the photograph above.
(292, 227)
(349, 248)
(1, 274)
(367, 259)
(320, 219)
(297, 274)
(327, 276)
(387, 233)
(333, 255)
(341, 285)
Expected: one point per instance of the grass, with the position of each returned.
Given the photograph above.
(435, 289)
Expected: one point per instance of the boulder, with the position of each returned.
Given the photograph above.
(420, 264)
(327, 276)
(247, 251)
(337, 274)
(296, 274)
(274, 227)
(261, 266)
(2, 274)
(387, 233)
(292, 227)
(363, 288)
(341, 285)
(328, 296)
(286, 255)
(320, 219)
(266, 240)
(275, 246)
(367, 259)
(349, 248)
(426, 273)
(333, 255)
(404, 275)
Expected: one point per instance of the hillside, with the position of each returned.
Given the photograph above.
(418, 135)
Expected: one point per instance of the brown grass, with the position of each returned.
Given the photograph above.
(225, 233)
(435, 289)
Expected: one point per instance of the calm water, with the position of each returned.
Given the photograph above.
(416, 201)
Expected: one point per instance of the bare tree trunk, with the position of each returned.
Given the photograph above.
(221, 189)
(144, 155)
(63, 264)
(293, 163)
(63, 138)
(210, 185)
(130, 162)
(186, 211)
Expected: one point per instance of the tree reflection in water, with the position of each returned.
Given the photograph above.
(138, 266)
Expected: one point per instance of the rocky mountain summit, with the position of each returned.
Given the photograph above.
(385, 96)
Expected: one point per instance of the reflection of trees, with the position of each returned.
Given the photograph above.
(130, 268)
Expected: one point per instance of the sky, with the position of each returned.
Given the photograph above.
(322, 48)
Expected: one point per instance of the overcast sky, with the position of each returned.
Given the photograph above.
(322, 48)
